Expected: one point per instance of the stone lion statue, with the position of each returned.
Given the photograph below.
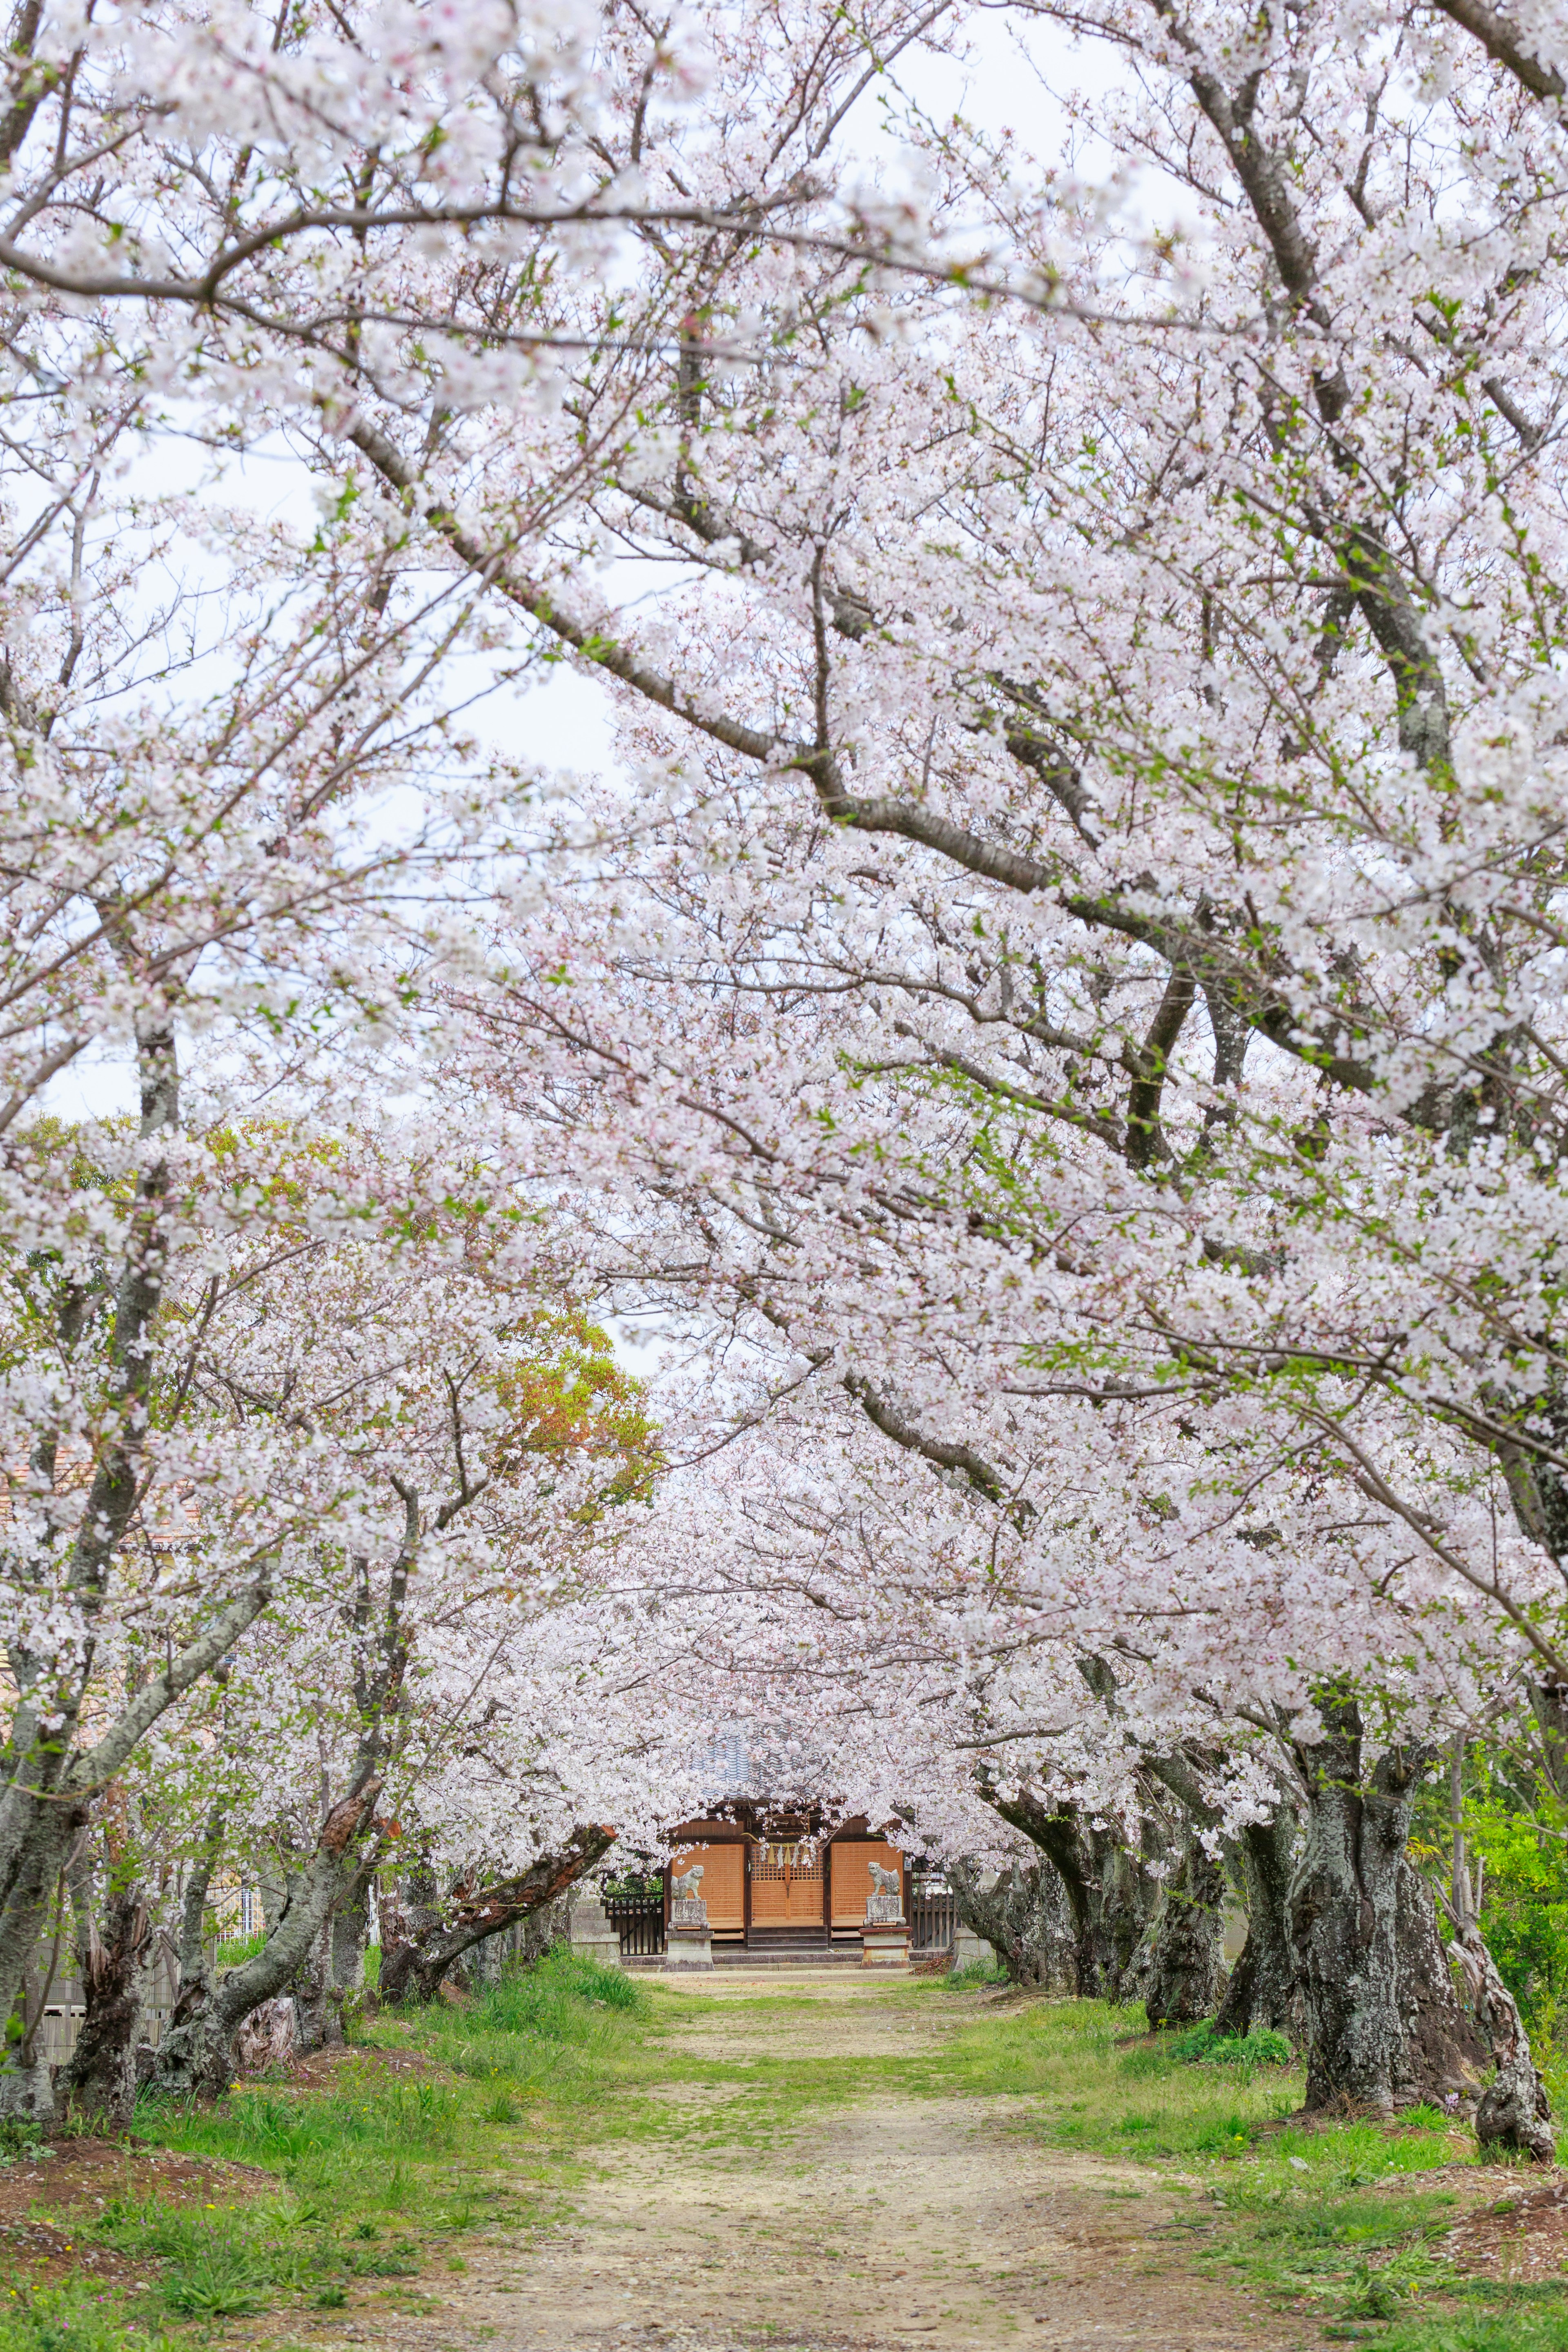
(887, 1882)
(683, 1884)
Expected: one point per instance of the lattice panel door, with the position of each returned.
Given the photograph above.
(723, 1887)
(851, 1876)
(785, 1892)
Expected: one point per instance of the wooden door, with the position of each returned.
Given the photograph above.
(851, 1868)
(786, 1887)
(724, 1884)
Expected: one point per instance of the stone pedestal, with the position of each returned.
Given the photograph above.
(588, 1930)
(886, 1947)
(688, 1947)
(968, 1949)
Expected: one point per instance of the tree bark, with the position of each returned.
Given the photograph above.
(1109, 1890)
(1514, 2112)
(100, 2077)
(194, 1973)
(1443, 2051)
(1185, 1973)
(321, 2027)
(351, 1933)
(1263, 1989)
(1027, 1921)
(1384, 2028)
(422, 1937)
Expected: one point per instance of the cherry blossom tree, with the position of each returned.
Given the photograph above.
(1063, 1003)
(236, 808)
(1086, 985)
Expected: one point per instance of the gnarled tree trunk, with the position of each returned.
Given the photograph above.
(321, 2025)
(1373, 1975)
(196, 2055)
(351, 1933)
(1263, 1989)
(194, 1977)
(1110, 1893)
(421, 1937)
(1184, 1972)
(1513, 2112)
(1443, 2051)
(1027, 1920)
(100, 2077)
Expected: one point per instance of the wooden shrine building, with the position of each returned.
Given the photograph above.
(777, 1884)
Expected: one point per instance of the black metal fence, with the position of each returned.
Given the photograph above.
(638, 1920)
(932, 1917)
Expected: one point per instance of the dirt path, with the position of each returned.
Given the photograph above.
(908, 2223)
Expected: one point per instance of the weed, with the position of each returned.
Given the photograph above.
(972, 1974)
(1201, 2046)
(217, 2281)
(18, 2134)
(70, 2318)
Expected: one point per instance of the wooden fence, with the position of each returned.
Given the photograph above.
(932, 1917)
(64, 2007)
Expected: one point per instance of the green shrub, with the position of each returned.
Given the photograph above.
(17, 2133)
(1201, 2046)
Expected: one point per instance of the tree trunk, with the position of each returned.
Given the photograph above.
(272, 1881)
(101, 2078)
(1513, 2112)
(331, 1974)
(1185, 1970)
(39, 1857)
(1025, 1919)
(196, 2055)
(410, 1919)
(1263, 1989)
(351, 1933)
(1380, 2032)
(1109, 1890)
(420, 1938)
(194, 1973)
(321, 2026)
(1442, 2052)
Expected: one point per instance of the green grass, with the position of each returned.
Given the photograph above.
(1340, 2224)
(972, 1976)
(1519, 2331)
(70, 2318)
(1099, 2082)
(233, 1950)
(375, 2182)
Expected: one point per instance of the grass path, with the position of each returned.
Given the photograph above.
(798, 2187)
(825, 2163)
